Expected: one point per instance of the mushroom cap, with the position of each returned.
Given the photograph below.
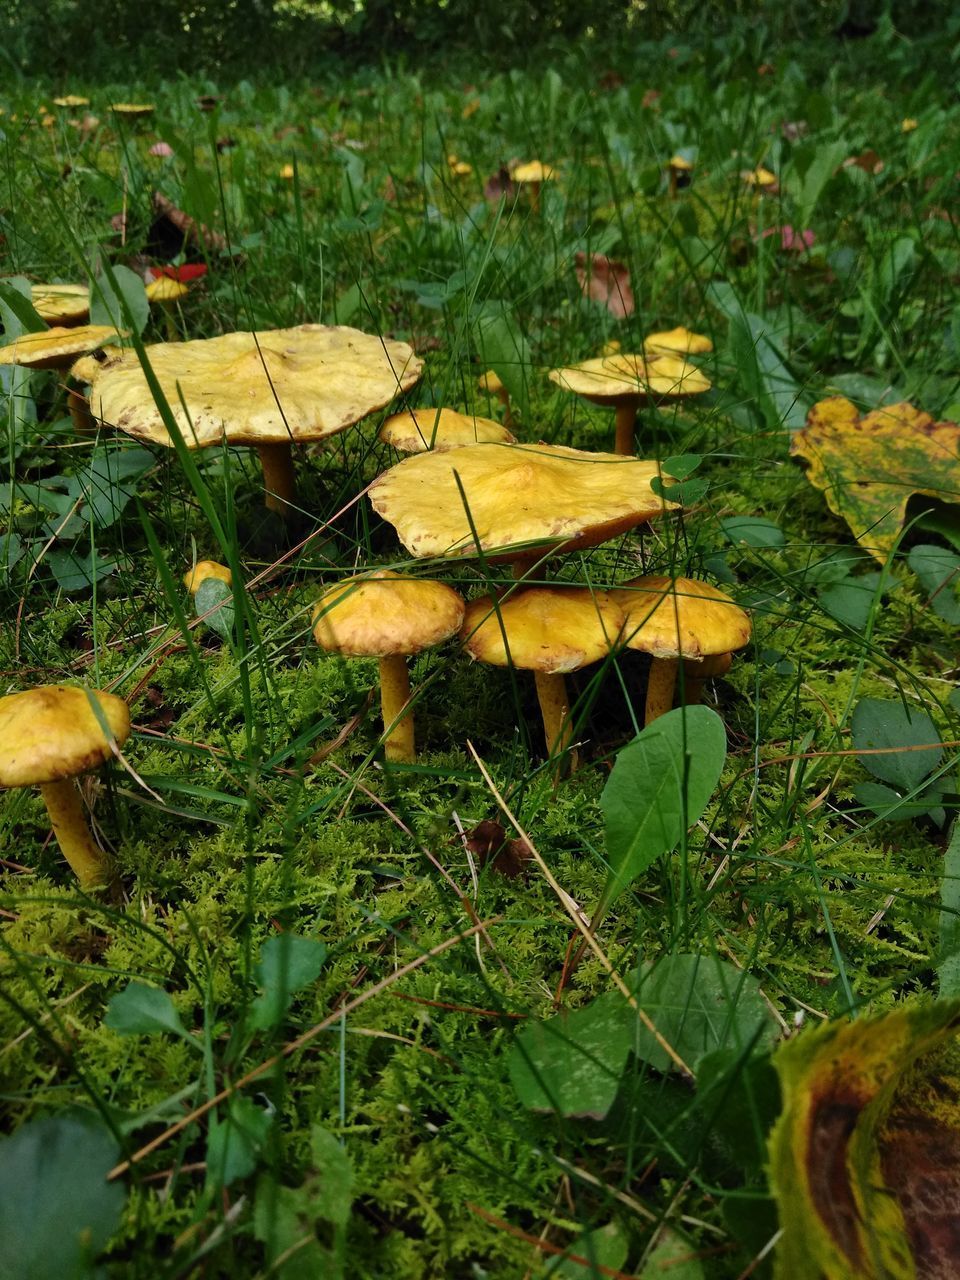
(52, 732)
(63, 304)
(490, 381)
(71, 100)
(271, 387)
(533, 171)
(674, 341)
(132, 108)
(58, 348)
(549, 629)
(383, 613)
(517, 495)
(610, 380)
(420, 430)
(203, 570)
(758, 177)
(680, 617)
(680, 163)
(165, 289)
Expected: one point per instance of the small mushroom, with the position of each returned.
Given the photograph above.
(387, 616)
(533, 174)
(628, 381)
(676, 342)
(202, 571)
(71, 100)
(167, 292)
(132, 110)
(550, 631)
(50, 735)
(57, 348)
(420, 430)
(760, 179)
(679, 169)
(491, 384)
(61, 304)
(680, 618)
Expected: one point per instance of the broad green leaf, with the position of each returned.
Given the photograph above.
(572, 1063)
(333, 1177)
(76, 572)
(891, 805)
(948, 970)
(123, 307)
(602, 1247)
(864, 1159)
(57, 1210)
(870, 466)
(287, 964)
(939, 572)
(16, 310)
(753, 531)
(234, 1141)
(659, 787)
(213, 601)
(700, 1004)
(673, 1256)
(139, 1010)
(824, 164)
(852, 600)
(899, 730)
(503, 347)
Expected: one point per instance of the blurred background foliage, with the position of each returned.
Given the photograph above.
(70, 39)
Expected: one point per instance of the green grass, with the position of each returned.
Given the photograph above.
(226, 832)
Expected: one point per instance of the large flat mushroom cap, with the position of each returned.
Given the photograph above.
(548, 629)
(612, 379)
(273, 387)
(533, 171)
(420, 430)
(518, 496)
(57, 348)
(384, 613)
(63, 304)
(52, 732)
(680, 617)
(678, 341)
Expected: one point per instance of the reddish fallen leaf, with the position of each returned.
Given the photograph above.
(189, 271)
(500, 186)
(605, 281)
(489, 845)
(650, 98)
(162, 149)
(791, 241)
(867, 160)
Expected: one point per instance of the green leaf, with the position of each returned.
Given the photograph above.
(287, 964)
(16, 310)
(948, 970)
(602, 1247)
(504, 348)
(572, 1063)
(753, 531)
(659, 787)
(124, 307)
(939, 572)
(852, 600)
(887, 723)
(235, 1140)
(75, 572)
(57, 1210)
(213, 601)
(285, 1218)
(826, 160)
(700, 1004)
(673, 1257)
(332, 1188)
(140, 1010)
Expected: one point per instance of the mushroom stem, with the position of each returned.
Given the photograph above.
(673, 182)
(398, 743)
(523, 565)
(626, 423)
(535, 196)
(660, 686)
(277, 462)
(503, 395)
(80, 415)
(696, 675)
(90, 864)
(170, 321)
(558, 732)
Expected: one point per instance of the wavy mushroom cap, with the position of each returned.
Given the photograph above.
(132, 109)
(202, 571)
(680, 163)
(71, 100)
(678, 341)
(383, 613)
(517, 495)
(548, 629)
(534, 171)
(165, 289)
(58, 348)
(759, 177)
(273, 387)
(680, 617)
(52, 732)
(62, 304)
(419, 430)
(609, 380)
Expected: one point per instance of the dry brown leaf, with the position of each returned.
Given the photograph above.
(605, 281)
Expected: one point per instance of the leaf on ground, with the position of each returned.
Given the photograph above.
(139, 1010)
(602, 1247)
(869, 466)
(287, 964)
(57, 1210)
(948, 970)
(285, 1219)
(673, 1257)
(603, 280)
(865, 1158)
(938, 569)
(234, 1141)
(895, 732)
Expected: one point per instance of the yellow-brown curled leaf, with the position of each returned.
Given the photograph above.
(865, 1158)
(869, 466)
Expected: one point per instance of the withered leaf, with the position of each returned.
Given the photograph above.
(869, 466)
(605, 281)
(488, 843)
(499, 186)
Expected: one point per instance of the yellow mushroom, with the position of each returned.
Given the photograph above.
(419, 430)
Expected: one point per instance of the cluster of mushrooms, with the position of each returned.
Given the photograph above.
(490, 497)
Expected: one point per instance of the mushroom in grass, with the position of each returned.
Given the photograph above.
(271, 389)
(166, 293)
(679, 169)
(491, 384)
(61, 304)
(533, 175)
(626, 382)
(387, 616)
(515, 502)
(71, 101)
(676, 342)
(760, 179)
(680, 618)
(57, 348)
(550, 631)
(202, 571)
(421, 430)
(49, 736)
(132, 110)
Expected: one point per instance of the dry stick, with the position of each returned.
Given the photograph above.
(571, 909)
(293, 1046)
